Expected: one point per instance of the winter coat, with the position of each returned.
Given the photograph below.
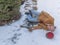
(44, 18)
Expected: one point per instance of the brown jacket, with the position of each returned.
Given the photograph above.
(44, 19)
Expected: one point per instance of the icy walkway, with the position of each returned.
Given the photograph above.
(14, 35)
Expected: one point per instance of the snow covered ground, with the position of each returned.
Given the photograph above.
(14, 35)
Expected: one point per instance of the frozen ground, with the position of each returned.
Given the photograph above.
(14, 35)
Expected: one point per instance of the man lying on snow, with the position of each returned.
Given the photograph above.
(43, 20)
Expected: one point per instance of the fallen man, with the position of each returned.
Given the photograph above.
(44, 21)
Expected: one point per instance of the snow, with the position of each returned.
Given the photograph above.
(13, 34)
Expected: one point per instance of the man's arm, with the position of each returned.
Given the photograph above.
(40, 26)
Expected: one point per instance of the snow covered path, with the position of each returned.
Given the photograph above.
(14, 35)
